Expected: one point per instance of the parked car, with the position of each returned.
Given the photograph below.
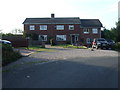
(110, 42)
(5, 42)
(100, 43)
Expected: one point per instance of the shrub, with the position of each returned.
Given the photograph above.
(52, 43)
(116, 46)
(68, 42)
(34, 36)
(72, 46)
(8, 55)
(6, 47)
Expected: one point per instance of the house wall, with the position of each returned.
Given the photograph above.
(90, 35)
(52, 32)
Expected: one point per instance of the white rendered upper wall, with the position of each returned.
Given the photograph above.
(119, 10)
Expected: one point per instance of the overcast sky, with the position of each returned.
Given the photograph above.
(14, 12)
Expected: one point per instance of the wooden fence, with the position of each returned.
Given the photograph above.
(17, 40)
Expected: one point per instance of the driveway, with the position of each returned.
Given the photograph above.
(64, 68)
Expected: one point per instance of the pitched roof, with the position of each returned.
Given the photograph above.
(90, 23)
(71, 20)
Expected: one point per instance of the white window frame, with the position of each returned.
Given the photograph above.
(60, 37)
(86, 30)
(95, 31)
(71, 27)
(60, 27)
(88, 40)
(45, 38)
(32, 27)
(43, 27)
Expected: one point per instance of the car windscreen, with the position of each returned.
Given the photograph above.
(100, 40)
(109, 40)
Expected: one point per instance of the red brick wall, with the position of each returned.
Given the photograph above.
(52, 32)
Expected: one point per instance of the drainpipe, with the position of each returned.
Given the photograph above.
(100, 32)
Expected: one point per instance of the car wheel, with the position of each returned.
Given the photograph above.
(106, 48)
(97, 47)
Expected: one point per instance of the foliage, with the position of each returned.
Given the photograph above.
(13, 32)
(33, 36)
(17, 31)
(68, 42)
(51, 42)
(6, 47)
(80, 47)
(25, 34)
(113, 34)
(37, 48)
(7, 34)
(106, 33)
(8, 55)
(116, 46)
(71, 46)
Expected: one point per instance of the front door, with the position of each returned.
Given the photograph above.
(74, 39)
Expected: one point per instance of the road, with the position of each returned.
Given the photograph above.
(66, 68)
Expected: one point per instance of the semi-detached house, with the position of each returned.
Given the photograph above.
(64, 29)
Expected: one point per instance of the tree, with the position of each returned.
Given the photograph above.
(33, 36)
(106, 34)
(8, 34)
(113, 33)
(17, 31)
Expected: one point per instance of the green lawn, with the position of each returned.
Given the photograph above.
(71, 46)
(36, 48)
(39, 48)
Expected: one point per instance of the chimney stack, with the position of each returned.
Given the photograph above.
(52, 15)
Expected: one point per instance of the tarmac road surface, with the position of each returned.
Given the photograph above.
(66, 68)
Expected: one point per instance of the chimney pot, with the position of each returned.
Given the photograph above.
(52, 15)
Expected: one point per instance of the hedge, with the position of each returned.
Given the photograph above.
(9, 55)
(117, 46)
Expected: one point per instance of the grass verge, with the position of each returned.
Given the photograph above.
(37, 48)
(71, 46)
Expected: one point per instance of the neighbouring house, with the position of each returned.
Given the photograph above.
(64, 29)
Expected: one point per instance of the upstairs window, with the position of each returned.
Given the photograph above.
(61, 37)
(32, 27)
(95, 31)
(86, 30)
(71, 27)
(60, 27)
(43, 27)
